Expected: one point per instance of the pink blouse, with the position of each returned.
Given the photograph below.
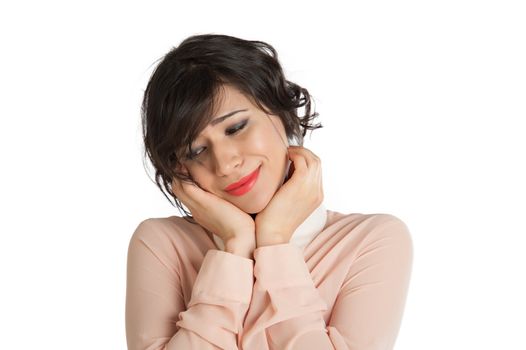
(340, 283)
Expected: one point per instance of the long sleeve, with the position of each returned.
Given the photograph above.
(286, 308)
(156, 317)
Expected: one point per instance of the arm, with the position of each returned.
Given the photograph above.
(156, 317)
(286, 307)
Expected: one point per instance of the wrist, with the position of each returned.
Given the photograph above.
(241, 248)
(269, 239)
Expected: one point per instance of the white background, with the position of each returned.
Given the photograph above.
(423, 106)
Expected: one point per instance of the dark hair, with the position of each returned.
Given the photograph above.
(180, 97)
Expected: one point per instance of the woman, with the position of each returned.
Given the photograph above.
(258, 262)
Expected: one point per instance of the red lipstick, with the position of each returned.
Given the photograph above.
(244, 185)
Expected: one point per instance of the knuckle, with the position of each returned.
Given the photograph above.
(302, 171)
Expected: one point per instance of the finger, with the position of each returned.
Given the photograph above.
(178, 190)
(312, 171)
(196, 195)
(184, 190)
(291, 170)
(184, 171)
(310, 157)
(181, 169)
(298, 160)
(312, 161)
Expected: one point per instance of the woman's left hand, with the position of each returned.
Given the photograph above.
(293, 202)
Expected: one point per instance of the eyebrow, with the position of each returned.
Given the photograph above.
(221, 119)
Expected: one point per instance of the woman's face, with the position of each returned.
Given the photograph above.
(239, 140)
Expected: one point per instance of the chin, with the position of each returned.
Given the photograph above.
(255, 204)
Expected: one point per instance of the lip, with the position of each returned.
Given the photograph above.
(244, 185)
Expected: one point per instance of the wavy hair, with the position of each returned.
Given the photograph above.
(180, 97)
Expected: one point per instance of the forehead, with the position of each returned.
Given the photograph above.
(227, 99)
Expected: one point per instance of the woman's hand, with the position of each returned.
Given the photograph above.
(235, 227)
(294, 201)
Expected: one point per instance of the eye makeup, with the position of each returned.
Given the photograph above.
(194, 153)
(237, 127)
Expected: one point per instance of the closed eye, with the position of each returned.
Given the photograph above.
(231, 131)
(236, 128)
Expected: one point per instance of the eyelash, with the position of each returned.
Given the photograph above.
(228, 132)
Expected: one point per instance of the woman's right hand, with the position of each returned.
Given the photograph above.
(235, 227)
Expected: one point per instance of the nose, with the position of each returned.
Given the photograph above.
(226, 158)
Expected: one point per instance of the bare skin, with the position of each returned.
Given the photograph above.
(235, 227)
(273, 225)
(293, 202)
(232, 148)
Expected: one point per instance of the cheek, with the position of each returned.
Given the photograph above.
(259, 144)
(199, 177)
(273, 149)
(266, 140)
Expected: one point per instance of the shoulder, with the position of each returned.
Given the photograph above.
(154, 228)
(165, 232)
(371, 220)
(372, 227)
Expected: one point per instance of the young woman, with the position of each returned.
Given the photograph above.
(258, 262)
